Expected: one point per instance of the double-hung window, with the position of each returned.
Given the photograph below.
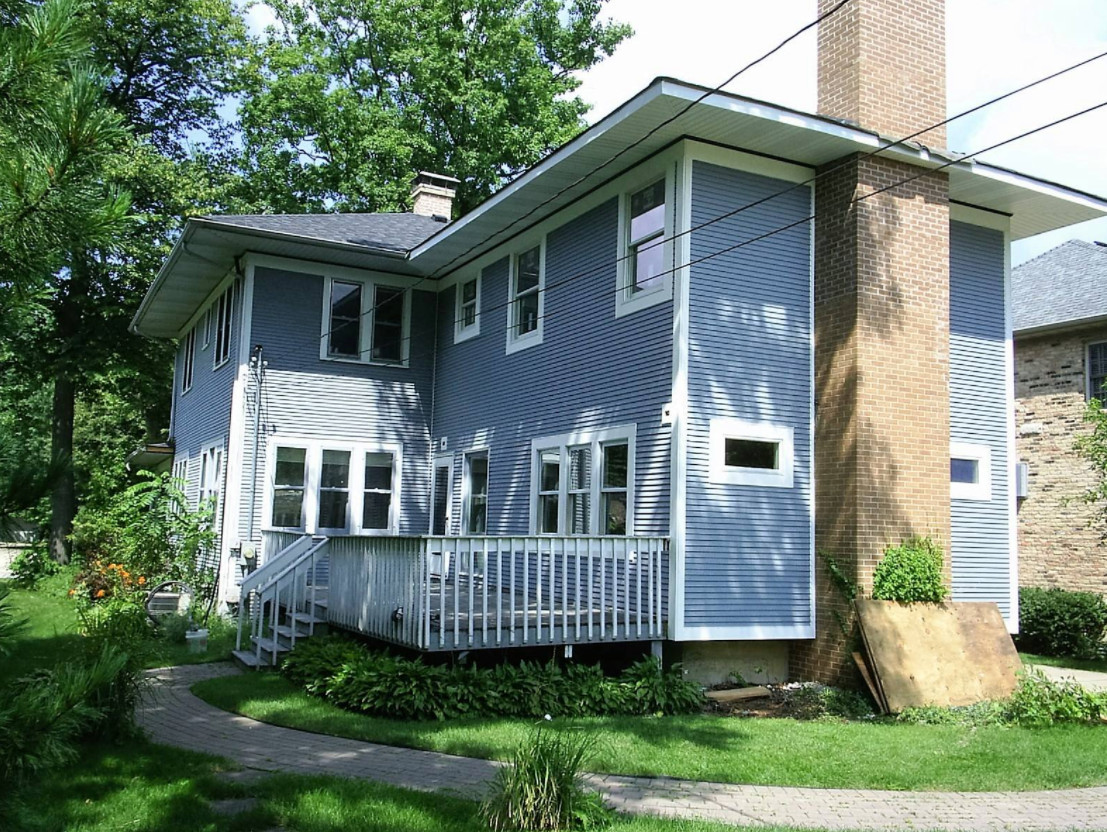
(188, 360)
(224, 309)
(475, 516)
(1097, 370)
(211, 472)
(527, 299)
(467, 314)
(376, 509)
(289, 484)
(583, 483)
(334, 488)
(644, 279)
(364, 322)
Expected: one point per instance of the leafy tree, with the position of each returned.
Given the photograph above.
(349, 98)
(56, 136)
(167, 67)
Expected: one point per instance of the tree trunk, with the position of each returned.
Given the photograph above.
(68, 323)
(63, 498)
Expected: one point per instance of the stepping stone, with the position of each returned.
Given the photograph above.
(246, 777)
(234, 807)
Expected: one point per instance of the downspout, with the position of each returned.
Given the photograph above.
(258, 367)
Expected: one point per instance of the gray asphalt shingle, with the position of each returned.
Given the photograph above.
(1066, 283)
(393, 232)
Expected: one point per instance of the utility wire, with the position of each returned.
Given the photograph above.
(977, 108)
(714, 90)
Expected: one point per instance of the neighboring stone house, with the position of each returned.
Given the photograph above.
(1060, 327)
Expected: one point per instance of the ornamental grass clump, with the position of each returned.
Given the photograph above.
(910, 572)
(542, 787)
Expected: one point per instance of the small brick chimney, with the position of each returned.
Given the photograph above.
(882, 65)
(432, 195)
(881, 312)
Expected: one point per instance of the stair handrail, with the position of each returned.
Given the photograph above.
(319, 542)
(251, 581)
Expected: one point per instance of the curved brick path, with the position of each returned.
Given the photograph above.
(173, 716)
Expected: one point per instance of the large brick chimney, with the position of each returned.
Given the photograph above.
(881, 312)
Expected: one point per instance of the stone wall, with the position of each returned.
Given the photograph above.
(1060, 541)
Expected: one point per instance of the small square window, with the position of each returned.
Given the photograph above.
(970, 471)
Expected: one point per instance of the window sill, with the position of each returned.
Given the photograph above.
(338, 359)
(221, 364)
(531, 339)
(629, 304)
(467, 334)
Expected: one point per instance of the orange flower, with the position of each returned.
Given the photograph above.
(141, 580)
(100, 593)
(72, 592)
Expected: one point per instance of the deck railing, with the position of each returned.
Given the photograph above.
(459, 593)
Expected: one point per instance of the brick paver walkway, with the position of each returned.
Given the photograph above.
(173, 716)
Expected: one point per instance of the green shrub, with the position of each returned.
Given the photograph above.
(33, 564)
(1056, 622)
(910, 572)
(813, 700)
(44, 715)
(1039, 702)
(542, 789)
(10, 626)
(174, 627)
(400, 688)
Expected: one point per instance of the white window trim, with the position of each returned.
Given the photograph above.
(206, 328)
(365, 335)
(534, 337)
(723, 429)
(466, 494)
(313, 458)
(462, 332)
(227, 294)
(982, 455)
(188, 361)
(445, 460)
(202, 491)
(628, 301)
(1089, 393)
(562, 442)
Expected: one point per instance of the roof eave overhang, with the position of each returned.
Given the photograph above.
(224, 243)
(1061, 326)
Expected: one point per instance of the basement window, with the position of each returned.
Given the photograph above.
(752, 453)
(970, 471)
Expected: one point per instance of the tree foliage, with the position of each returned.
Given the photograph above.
(348, 99)
(57, 133)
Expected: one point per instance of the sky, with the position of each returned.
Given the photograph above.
(992, 46)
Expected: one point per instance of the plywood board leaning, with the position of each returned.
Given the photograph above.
(949, 654)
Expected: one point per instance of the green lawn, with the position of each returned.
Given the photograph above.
(140, 787)
(1099, 665)
(51, 635)
(879, 755)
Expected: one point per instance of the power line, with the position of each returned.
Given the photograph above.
(434, 275)
(618, 260)
(780, 229)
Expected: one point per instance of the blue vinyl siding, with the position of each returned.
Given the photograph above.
(592, 371)
(748, 549)
(980, 530)
(202, 416)
(306, 396)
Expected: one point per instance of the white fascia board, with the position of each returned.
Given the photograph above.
(526, 179)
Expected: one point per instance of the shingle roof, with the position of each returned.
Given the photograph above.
(393, 232)
(1065, 284)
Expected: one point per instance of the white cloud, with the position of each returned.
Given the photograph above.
(992, 46)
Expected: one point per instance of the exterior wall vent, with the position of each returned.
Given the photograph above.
(1022, 480)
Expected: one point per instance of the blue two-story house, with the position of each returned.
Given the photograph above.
(582, 412)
